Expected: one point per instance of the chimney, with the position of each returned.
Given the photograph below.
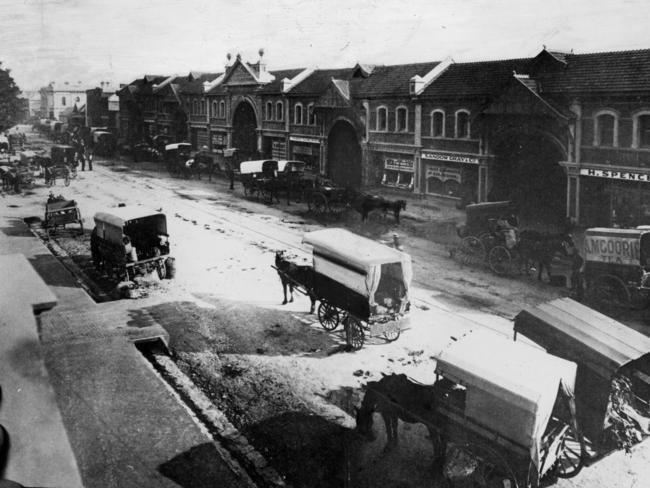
(261, 65)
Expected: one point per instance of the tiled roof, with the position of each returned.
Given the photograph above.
(475, 79)
(317, 82)
(275, 87)
(388, 81)
(599, 72)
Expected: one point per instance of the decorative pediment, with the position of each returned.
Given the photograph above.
(240, 75)
(336, 95)
(521, 97)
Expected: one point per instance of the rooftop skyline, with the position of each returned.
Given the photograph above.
(120, 40)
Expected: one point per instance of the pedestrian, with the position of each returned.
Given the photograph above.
(90, 160)
(577, 280)
(231, 174)
(81, 159)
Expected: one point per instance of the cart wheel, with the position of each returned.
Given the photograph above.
(392, 335)
(500, 260)
(471, 250)
(487, 240)
(328, 316)
(161, 269)
(609, 292)
(67, 179)
(354, 333)
(318, 203)
(570, 456)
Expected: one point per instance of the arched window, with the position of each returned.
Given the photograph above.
(641, 129)
(202, 107)
(222, 109)
(214, 108)
(438, 123)
(297, 114)
(279, 111)
(401, 119)
(382, 119)
(462, 124)
(269, 110)
(606, 128)
(311, 116)
(195, 107)
(63, 101)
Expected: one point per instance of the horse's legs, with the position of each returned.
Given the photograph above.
(291, 292)
(391, 432)
(284, 291)
(312, 298)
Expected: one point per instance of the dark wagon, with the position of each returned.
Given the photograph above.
(60, 212)
(129, 241)
(603, 349)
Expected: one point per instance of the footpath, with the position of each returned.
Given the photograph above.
(80, 403)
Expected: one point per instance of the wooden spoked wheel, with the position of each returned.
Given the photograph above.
(328, 316)
(570, 456)
(318, 203)
(471, 250)
(609, 292)
(500, 260)
(354, 332)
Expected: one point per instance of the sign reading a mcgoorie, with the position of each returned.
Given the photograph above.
(619, 248)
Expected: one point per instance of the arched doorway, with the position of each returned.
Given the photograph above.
(526, 171)
(244, 131)
(344, 155)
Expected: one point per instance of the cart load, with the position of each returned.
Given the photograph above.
(364, 280)
(610, 356)
(59, 212)
(131, 240)
(511, 405)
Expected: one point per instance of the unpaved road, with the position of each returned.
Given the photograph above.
(280, 377)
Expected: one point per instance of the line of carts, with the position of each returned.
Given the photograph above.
(22, 170)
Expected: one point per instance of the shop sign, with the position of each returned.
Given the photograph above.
(396, 164)
(612, 249)
(616, 175)
(279, 150)
(302, 150)
(308, 140)
(218, 140)
(454, 158)
(443, 173)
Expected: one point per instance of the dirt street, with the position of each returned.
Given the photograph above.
(279, 376)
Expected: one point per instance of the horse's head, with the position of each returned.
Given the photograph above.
(401, 204)
(279, 258)
(567, 244)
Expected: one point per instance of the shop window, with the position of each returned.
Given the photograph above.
(462, 124)
(401, 119)
(438, 123)
(311, 116)
(435, 186)
(214, 108)
(279, 111)
(222, 109)
(269, 110)
(382, 119)
(606, 129)
(297, 114)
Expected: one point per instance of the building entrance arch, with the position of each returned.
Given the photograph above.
(244, 131)
(526, 171)
(344, 155)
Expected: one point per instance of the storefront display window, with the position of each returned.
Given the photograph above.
(398, 172)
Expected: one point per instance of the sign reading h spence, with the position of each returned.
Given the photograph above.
(620, 246)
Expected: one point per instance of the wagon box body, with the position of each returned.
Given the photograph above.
(478, 216)
(602, 348)
(508, 402)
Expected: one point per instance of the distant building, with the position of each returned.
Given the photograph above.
(102, 107)
(34, 103)
(57, 97)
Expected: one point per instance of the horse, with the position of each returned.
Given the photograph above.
(367, 203)
(291, 273)
(396, 398)
(540, 248)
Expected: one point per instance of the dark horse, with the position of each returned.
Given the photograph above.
(368, 203)
(539, 248)
(292, 274)
(395, 397)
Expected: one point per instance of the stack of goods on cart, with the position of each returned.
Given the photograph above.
(627, 416)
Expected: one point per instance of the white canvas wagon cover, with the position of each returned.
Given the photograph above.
(258, 166)
(110, 225)
(357, 262)
(511, 387)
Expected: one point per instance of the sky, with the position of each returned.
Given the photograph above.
(119, 40)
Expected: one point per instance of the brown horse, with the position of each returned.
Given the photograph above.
(539, 248)
(396, 398)
(292, 275)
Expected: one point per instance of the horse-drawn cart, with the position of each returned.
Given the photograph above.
(613, 377)
(59, 212)
(130, 241)
(360, 283)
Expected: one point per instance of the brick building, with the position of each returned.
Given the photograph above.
(561, 134)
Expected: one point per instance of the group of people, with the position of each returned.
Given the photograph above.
(82, 153)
